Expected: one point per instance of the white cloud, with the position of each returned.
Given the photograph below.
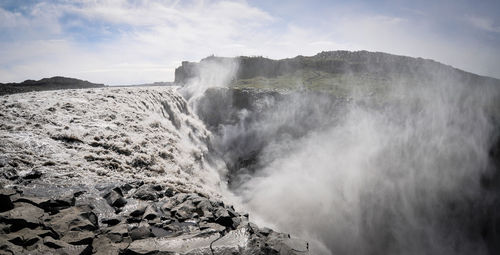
(144, 41)
(483, 23)
(159, 34)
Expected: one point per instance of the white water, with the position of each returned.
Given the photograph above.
(125, 134)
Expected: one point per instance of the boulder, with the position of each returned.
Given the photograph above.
(76, 218)
(78, 237)
(140, 233)
(117, 233)
(115, 199)
(23, 215)
(150, 213)
(147, 192)
(104, 246)
(223, 218)
(138, 212)
(34, 174)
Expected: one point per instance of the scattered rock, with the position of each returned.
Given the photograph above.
(186, 224)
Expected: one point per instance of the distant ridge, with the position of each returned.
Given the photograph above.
(53, 83)
(328, 65)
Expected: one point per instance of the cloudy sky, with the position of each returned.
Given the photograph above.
(140, 41)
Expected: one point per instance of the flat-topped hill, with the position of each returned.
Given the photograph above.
(53, 83)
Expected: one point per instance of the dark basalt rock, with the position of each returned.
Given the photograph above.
(34, 174)
(115, 198)
(140, 233)
(111, 222)
(149, 192)
(5, 203)
(187, 224)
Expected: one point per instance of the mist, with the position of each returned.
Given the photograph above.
(397, 172)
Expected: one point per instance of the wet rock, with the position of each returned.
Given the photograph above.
(127, 187)
(5, 203)
(34, 174)
(169, 192)
(150, 213)
(117, 233)
(10, 174)
(63, 247)
(184, 244)
(265, 231)
(182, 227)
(140, 233)
(23, 215)
(55, 205)
(115, 198)
(147, 192)
(214, 226)
(180, 197)
(232, 243)
(104, 246)
(160, 232)
(53, 243)
(111, 221)
(77, 218)
(24, 237)
(223, 218)
(138, 212)
(9, 248)
(78, 237)
(157, 187)
(184, 211)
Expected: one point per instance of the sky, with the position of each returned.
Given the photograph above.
(139, 41)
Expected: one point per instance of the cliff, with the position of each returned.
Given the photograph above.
(332, 69)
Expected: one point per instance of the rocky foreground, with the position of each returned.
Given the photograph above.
(117, 171)
(147, 219)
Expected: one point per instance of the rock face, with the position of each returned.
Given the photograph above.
(53, 83)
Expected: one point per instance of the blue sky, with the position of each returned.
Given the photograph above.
(139, 41)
